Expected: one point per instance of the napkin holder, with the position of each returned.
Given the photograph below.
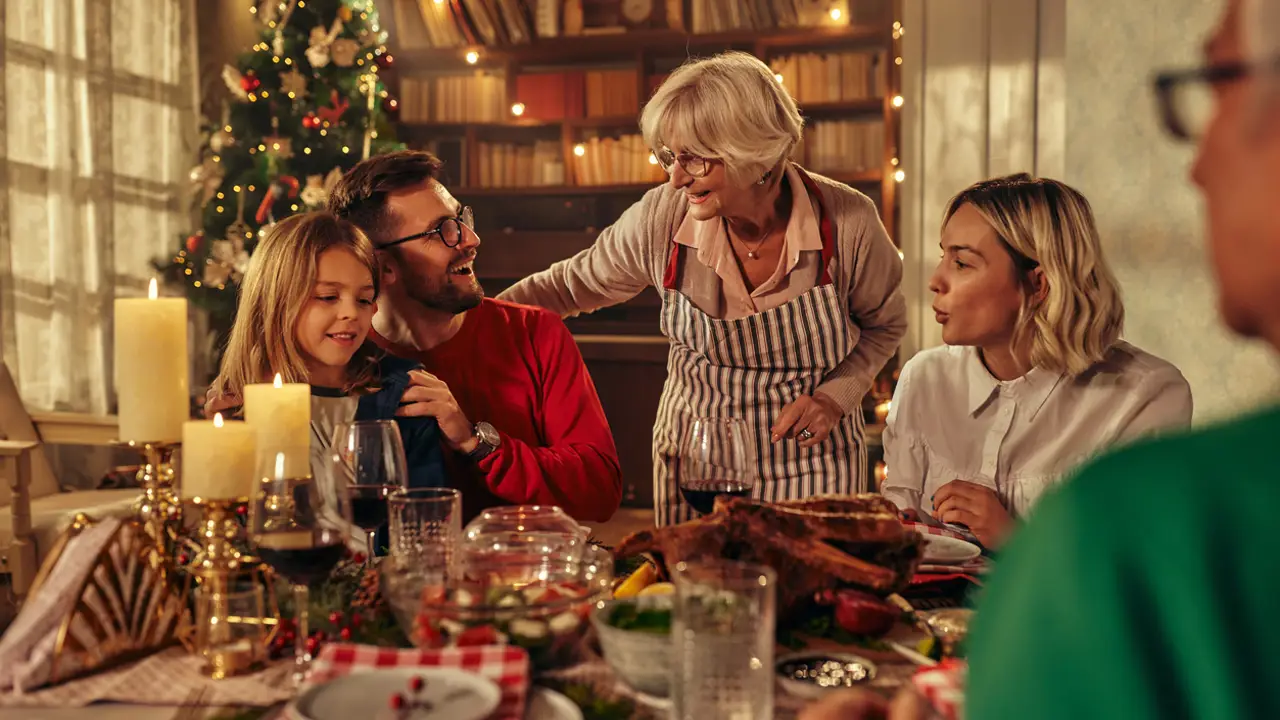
(114, 602)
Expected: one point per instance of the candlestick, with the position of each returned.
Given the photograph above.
(217, 531)
(217, 459)
(157, 507)
(151, 367)
(280, 414)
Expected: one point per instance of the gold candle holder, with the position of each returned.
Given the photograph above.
(217, 531)
(158, 508)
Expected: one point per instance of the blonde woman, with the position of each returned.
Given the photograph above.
(780, 286)
(1033, 378)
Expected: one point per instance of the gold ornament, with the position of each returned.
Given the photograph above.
(343, 51)
(294, 82)
(314, 194)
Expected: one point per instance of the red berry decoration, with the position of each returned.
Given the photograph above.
(416, 684)
(310, 121)
(242, 510)
(249, 82)
(345, 633)
(193, 242)
(358, 558)
(335, 618)
(313, 643)
(397, 701)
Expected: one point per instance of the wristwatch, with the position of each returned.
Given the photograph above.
(489, 441)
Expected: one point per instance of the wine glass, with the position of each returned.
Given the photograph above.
(370, 455)
(298, 533)
(717, 459)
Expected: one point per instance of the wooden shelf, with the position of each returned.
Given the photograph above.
(854, 178)
(638, 189)
(586, 48)
(412, 129)
(865, 106)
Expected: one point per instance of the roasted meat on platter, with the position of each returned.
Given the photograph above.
(820, 543)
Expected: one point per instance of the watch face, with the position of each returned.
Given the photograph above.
(487, 434)
(637, 11)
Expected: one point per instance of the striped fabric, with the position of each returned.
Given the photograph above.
(750, 369)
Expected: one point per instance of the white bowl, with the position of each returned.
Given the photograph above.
(641, 659)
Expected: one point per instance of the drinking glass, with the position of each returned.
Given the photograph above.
(230, 631)
(296, 532)
(426, 524)
(370, 456)
(717, 458)
(722, 634)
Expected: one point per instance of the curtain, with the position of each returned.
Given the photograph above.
(98, 128)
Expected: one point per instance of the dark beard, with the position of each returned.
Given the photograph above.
(447, 297)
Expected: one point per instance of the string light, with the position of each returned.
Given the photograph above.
(579, 149)
(219, 208)
(250, 188)
(373, 134)
(835, 14)
(196, 283)
(473, 57)
(896, 61)
(221, 196)
(517, 109)
(264, 92)
(360, 62)
(227, 128)
(894, 162)
(235, 188)
(323, 132)
(292, 96)
(306, 151)
(217, 158)
(653, 159)
(294, 208)
(262, 148)
(346, 149)
(187, 271)
(899, 175)
(253, 9)
(897, 101)
(275, 59)
(778, 77)
(253, 98)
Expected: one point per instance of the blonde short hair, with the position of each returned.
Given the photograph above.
(729, 107)
(1048, 224)
(280, 279)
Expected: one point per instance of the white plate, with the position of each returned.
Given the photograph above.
(547, 704)
(944, 550)
(456, 695)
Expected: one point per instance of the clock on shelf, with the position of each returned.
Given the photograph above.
(605, 15)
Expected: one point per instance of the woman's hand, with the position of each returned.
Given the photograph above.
(976, 507)
(219, 403)
(817, 414)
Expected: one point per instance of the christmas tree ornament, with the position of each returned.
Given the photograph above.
(278, 148)
(320, 42)
(284, 186)
(235, 82)
(249, 82)
(277, 42)
(343, 51)
(193, 242)
(268, 11)
(310, 121)
(238, 231)
(206, 178)
(295, 83)
(337, 106)
(314, 195)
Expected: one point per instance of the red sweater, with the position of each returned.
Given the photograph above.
(518, 368)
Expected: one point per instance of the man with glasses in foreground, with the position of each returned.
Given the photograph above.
(506, 382)
(1147, 587)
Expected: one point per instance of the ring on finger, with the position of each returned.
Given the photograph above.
(806, 434)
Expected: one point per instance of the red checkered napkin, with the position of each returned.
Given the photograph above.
(506, 665)
(943, 686)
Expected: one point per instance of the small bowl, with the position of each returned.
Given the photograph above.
(642, 659)
(950, 626)
(796, 672)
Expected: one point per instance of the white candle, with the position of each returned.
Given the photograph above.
(151, 367)
(280, 414)
(217, 459)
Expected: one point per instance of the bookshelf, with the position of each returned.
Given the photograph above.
(544, 181)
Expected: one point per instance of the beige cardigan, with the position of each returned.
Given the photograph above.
(632, 254)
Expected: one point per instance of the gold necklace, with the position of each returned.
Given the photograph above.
(751, 251)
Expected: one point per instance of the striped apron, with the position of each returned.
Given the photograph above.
(750, 369)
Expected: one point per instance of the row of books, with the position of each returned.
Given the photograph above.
(615, 161)
(482, 97)
(478, 97)
(842, 146)
(518, 164)
(815, 78)
(421, 24)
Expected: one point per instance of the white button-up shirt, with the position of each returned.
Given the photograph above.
(952, 420)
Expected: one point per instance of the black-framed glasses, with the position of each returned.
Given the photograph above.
(695, 165)
(1186, 96)
(449, 229)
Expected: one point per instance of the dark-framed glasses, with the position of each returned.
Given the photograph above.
(449, 229)
(1186, 99)
(695, 165)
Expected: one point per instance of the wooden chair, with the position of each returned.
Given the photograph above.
(34, 509)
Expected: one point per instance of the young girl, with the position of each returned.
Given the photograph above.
(306, 307)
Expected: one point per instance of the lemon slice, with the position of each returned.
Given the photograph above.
(662, 588)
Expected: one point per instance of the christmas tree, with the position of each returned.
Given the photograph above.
(306, 103)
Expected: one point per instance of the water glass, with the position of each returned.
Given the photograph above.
(426, 524)
(722, 634)
(230, 631)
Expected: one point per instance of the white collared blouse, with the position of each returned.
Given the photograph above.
(950, 419)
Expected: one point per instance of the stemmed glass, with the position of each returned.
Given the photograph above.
(716, 459)
(370, 456)
(296, 532)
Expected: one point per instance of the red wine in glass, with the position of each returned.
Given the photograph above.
(701, 494)
(303, 565)
(369, 505)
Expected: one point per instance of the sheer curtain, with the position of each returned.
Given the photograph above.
(98, 128)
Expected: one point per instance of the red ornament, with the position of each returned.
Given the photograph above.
(416, 684)
(193, 242)
(385, 60)
(310, 121)
(312, 644)
(333, 113)
(249, 82)
(345, 633)
(242, 509)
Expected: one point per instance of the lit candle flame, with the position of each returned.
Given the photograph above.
(278, 382)
(217, 419)
(153, 291)
(279, 466)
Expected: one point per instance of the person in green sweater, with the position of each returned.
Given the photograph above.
(1148, 586)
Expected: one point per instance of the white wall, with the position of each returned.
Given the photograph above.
(1062, 89)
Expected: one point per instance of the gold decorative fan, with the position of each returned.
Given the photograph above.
(127, 604)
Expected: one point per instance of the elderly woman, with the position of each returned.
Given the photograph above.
(780, 286)
(1033, 378)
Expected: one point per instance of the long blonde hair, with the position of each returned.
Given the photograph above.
(280, 279)
(1049, 224)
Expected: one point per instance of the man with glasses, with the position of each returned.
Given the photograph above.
(1147, 587)
(506, 382)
